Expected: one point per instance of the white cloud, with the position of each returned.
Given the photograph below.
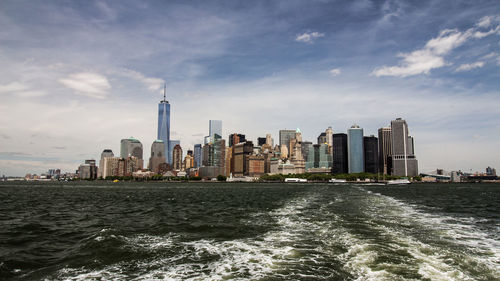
(12, 87)
(90, 84)
(308, 37)
(431, 56)
(152, 83)
(469, 66)
(335, 71)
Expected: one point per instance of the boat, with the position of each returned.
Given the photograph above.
(399, 181)
(295, 180)
(116, 181)
(337, 181)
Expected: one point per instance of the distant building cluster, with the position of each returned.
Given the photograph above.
(391, 153)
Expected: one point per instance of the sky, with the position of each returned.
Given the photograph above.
(76, 77)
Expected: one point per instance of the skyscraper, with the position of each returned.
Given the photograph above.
(173, 143)
(285, 137)
(370, 145)
(105, 153)
(403, 161)
(215, 127)
(198, 152)
(384, 149)
(340, 159)
(177, 157)
(157, 156)
(236, 138)
(355, 149)
(131, 147)
(164, 124)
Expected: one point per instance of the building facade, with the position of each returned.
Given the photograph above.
(340, 159)
(164, 125)
(370, 145)
(177, 158)
(384, 149)
(157, 158)
(285, 137)
(214, 128)
(131, 147)
(355, 149)
(198, 155)
(403, 161)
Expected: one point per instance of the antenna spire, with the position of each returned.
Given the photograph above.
(165, 91)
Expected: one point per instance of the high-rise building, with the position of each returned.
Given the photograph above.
(236, 138)
(173, 143)
(269, 140)
(340, 158)
(355, 149)
(105, 153)
(370, 145)
(215, 127)
(164, 125)
(177, 157)
(198, 152)
(384, 149)
(261, 141)
(319, 158)
(322, 138)
(329, 136)
(296, 157)
(157, 158)
(403, 161)
(241, 152)
(307, 147)
(131, 147)
(188, 161)
(88, 170)
(285, 137)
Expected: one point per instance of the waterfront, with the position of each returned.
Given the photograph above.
(213, 231)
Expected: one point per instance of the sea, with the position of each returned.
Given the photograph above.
(248, 231)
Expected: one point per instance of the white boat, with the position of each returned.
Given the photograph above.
(295, 180)
(337, 181)
(399, 181)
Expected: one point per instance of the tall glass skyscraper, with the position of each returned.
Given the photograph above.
(215, 128)
(355, 149)
(164, 125)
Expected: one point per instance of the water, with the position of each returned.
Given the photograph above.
(214, 231)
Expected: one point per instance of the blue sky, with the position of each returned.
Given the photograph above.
(78, 76)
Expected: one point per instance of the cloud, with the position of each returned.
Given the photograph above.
(152, 83)
(469, 66)
(431, 56)
(89, 84)
(308, 37)
(12, 87)
(335, 71)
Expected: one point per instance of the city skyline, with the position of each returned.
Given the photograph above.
(76, 79)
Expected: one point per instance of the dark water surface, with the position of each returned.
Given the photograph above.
(228, 231)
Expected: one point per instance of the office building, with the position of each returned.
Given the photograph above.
(355, 149)
(384, 149)
(296, 157)
(198, 152)
(241, 152)
(164, 125)
(340, 159)
(285, 137)
(318, 158)
(236, 138)
(157, 158)
(403, 161)
(130, 147)
(105, 153)
(88, 170)
(177, 158)
(215, 128)
(370, 145)
(173, 143)
(261, 141)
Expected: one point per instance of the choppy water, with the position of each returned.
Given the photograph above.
(212, 231)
